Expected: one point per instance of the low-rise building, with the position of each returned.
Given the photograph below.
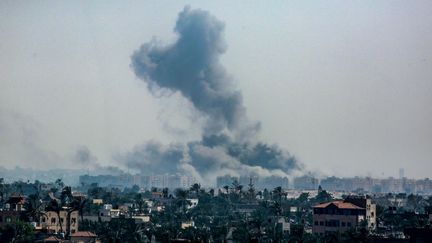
(193, 202)
(97, 201)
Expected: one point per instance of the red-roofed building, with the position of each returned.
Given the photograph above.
(336, 216)
(83, 237)
(12, 210)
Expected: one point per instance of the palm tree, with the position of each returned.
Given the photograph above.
(55, 206)
(71, 205)
(181, 199)
(251, 190)
(226, 187)
(195, 188)
(34, 208)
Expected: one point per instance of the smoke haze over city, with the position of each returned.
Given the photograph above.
(332, 88)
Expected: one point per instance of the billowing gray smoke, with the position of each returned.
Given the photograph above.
(84, 156)
(191, 66)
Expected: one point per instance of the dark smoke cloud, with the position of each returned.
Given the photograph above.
(208, 160)
(84, 156)
(191, 67)
(154, 157)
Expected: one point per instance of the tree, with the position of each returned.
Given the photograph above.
(195, 188)
(4, 191)
(70, 204)
(181, 200)
(165, 192)
(141, 206)
(226, 187)
(59, 183)
(251, 190)
(324, 196)
(55, 206)
(236, 187)
(17, 232)
(34, 208)
(277, 194)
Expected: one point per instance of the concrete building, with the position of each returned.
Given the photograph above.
(336, 216)
(306, 182)
(12, 210)
(367, 204)
(51, 222)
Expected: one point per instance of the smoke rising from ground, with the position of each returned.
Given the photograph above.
(191, 67)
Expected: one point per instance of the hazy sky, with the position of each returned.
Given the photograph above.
(346, 86)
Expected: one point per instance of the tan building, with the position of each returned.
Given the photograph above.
(50, 221)
(336, 216)
(97, 201)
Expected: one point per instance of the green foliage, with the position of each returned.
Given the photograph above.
(17, 232)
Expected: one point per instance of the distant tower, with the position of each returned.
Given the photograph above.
(401, 173)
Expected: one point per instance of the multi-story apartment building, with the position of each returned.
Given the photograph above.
(12, 210)
(336, 216)
(55, 224)
(306, 182)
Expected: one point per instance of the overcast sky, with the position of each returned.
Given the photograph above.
(345, 86)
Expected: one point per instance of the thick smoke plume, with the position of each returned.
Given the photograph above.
(191, 66)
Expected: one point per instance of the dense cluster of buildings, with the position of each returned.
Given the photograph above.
(306, 182)
(373, 185)
(47, 222)
(171, 181)
(258, 182)
(314, 214)
(365, 184)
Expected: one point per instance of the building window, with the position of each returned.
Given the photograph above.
(343, 224)
(349, 224)
(43, 219)
(8, 219)
(321, 223)
(316, 222)
(62, 220)
(53, 220)
(73, 220)
(1, 218)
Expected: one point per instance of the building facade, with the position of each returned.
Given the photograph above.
(12, 210)
(367, 204)
(55, 224)
(336, 216)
